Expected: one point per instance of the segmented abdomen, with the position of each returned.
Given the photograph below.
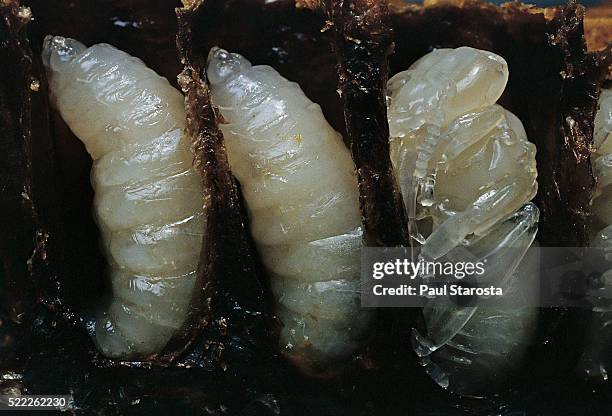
(300, 187)
(148, 197)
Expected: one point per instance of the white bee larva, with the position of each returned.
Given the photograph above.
(148, 197)
(465, 169)
(300, 188)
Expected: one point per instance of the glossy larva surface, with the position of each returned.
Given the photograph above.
(148, 197)
(300, 188)
(467, 173)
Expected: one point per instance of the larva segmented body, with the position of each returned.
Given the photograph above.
(148, 197)
(300, 187)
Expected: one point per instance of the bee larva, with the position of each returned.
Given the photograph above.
(148, 197)
(465, 169)
(300, 188)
